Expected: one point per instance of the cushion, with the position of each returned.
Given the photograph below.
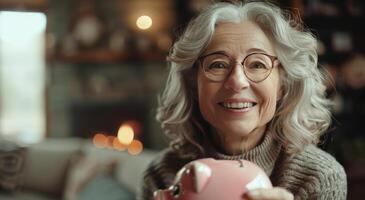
(105, 187)
(11, 165)
(103, 154)
(129, 172)
(25, 195)
(83, 170)
(46, 164)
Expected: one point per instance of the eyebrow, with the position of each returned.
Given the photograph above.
(251, 50)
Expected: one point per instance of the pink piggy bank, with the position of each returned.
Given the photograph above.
(210, 179)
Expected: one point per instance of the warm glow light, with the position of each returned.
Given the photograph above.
(100, 140)
(136, 126)
(125, 134)
(135, 147)
(118, 146)
(144, 22)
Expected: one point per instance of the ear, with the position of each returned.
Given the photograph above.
(201, 175)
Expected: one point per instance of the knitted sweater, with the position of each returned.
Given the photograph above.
(310, 174)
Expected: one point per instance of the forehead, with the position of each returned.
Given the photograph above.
(239, 37)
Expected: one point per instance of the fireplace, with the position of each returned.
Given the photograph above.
(88, 119)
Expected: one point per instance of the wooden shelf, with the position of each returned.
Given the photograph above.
(106, 56)
(24, 5)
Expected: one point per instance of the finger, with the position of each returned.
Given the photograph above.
(270, 194)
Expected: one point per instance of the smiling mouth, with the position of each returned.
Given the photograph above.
(237, 105)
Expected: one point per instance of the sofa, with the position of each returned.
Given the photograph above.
(73, 169)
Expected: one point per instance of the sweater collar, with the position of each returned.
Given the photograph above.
(264, 154)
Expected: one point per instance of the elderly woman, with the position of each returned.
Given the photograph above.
(244, 84)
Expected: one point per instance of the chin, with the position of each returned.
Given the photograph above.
(238, 130)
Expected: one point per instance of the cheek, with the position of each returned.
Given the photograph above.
(269, 107)
(269, 96)
(206, 93)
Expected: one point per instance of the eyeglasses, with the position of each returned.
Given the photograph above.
(218, 66)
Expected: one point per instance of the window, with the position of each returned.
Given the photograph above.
(22, 76)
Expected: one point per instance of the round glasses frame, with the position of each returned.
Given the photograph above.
(233, 61)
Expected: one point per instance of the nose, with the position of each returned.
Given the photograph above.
(237, 79)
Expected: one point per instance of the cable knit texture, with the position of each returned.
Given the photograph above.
(310, 174)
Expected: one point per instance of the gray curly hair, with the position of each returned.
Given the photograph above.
(302, 114)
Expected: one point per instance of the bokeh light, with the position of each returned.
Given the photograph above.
(117, 145)
(135, 147)
(136, 126)
(100, 140)
(125, 139)
(144, 22)
(125, 134)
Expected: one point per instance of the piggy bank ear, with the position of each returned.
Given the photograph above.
(201, 175)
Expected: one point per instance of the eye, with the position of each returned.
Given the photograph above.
(176, 190)
(257, 65)
(218, 65)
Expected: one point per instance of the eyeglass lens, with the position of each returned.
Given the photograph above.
(256, 66)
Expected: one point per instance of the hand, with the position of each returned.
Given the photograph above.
(276, 193)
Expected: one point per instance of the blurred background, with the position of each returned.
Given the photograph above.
(79, 81)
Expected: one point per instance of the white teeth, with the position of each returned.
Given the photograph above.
(239, 105)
